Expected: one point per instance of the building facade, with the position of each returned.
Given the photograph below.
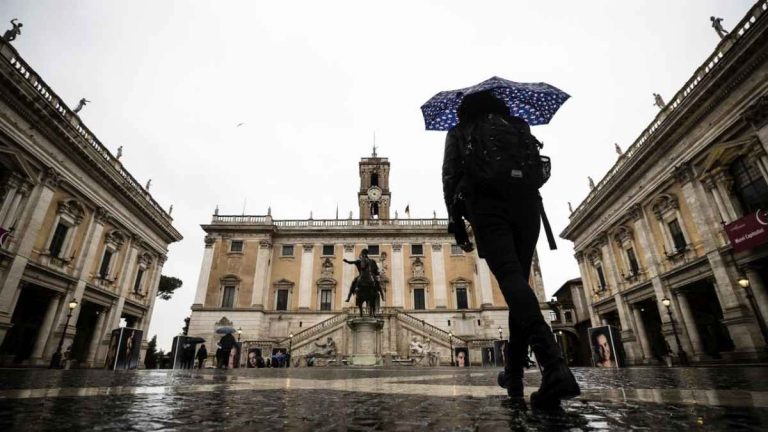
(74, 225)
(279, 278)
(572, 322)
(655, 227)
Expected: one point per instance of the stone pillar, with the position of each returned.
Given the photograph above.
(641, 334)
(260, 274)
(205, 272)
(305, 276)
(759, 291)
(11, 188)
(44, 333)
(723, 184)
(98, 335)
(689, 323)
(587, 287)
(438, 276)
(37, 208)
(484, 276)
(398, 276)
(643, 233)
(10, 215)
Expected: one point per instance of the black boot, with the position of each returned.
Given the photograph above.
(557, 381)
(511, 378)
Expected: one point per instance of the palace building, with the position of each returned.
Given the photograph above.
(671, 243)
(82, 243)
(283, 282)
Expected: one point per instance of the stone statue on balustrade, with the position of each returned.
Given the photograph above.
(659, 101)
(80, 105)
(10, 35)
(327, 349)
(717, 24)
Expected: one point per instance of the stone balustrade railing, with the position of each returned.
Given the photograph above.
(327, 223)
(49, 98)
(306, 335)
(704, 70)
(433, 331)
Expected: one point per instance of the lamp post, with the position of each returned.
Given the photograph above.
(681, 355)
(744, 283)
(239, 332)
(450, 341)
(290, 348)
(56, 358)
(501, 334)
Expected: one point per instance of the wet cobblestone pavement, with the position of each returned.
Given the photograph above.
(403, 399)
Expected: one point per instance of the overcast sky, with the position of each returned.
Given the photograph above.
(311, 81)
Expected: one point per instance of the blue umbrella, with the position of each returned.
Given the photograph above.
(226, 330)
(535, 103)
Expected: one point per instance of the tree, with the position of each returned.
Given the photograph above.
(168, 285)
(150, 359)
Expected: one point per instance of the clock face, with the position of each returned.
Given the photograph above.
(374, 193)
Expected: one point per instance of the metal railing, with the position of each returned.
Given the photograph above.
(703, 71)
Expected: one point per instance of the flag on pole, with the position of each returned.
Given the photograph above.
(408, 210)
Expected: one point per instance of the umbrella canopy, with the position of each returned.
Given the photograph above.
(536, 103)
(226, 330)
(195, 340)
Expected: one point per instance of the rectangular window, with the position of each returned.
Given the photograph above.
(373, 249)
(228, 299)
(57, 242)
(282, 300)
(328, 250)
(568, 316)
(236, 246)
(325, 300)
(417, 249)
(287, 250)
(678, 239)
(461, 298)
(601, 277)
(456, 250)
(418, 299)
(633, 267)
(105, 260)
(137, 282)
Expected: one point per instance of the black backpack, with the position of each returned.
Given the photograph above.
(500, 152)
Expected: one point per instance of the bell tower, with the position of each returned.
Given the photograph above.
(374, 195)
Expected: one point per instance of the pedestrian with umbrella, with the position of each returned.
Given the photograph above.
(225, 346)
(492, 170)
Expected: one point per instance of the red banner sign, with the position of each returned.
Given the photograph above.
(748, 232)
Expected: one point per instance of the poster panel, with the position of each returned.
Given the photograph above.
(605, 342)
(254, 359)
(461, 356)
(500, 352)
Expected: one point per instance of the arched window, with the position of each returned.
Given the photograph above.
(374, 179)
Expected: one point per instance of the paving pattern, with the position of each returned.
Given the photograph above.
(397, 399)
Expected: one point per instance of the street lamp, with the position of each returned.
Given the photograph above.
(56, 359)
(744, 283)
(501, 334)
(290, 348)
(239, 332)
(450, 341)
(682, 356)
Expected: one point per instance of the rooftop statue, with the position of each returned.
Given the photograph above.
(10, 35)
(717, 24)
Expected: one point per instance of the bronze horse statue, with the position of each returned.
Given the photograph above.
(366, 286)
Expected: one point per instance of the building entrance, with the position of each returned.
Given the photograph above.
(86, 326)
(649, 312)
(708, 316)
(27, 319)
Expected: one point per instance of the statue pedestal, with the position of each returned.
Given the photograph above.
(365, 340)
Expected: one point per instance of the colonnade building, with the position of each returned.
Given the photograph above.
(279, 278)
(681, 217)
(74, 225)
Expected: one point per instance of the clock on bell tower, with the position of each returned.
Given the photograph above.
(374, 195)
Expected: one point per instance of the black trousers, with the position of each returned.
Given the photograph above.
(506, 231)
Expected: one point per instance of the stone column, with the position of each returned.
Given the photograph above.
(759, 291)
(97, 338)
(398, 276)
(689, 323)
(11, 188)
(44, 333)
(36, 209)
(643, 233)
(641, 334)
(724, 183)
(10, 215)
(205, 272)
(305, 277)
(484, 276)
(260, 274)
(438, 276)
(587, 287)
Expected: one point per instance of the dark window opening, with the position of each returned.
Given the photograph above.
(282, 300)
(749, 185)
(57, 242)
(287, 250)
(418, 299)
(634, 268)
(325, 300)
(137, 282)
(678, 239)
(373, 249)
(228, 300)
(374, 179)
(105, 260)
(328, 250)
(462, 301)
(417, 249)
(236, 246)
(601, 278)
(374, 210)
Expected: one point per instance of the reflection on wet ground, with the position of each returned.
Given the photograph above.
(377, 399)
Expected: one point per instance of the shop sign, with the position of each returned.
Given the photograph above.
(748, 232)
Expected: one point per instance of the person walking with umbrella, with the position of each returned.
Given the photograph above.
(202, 354)
(491, 172)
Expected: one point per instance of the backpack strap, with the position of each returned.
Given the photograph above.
(547, 227)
